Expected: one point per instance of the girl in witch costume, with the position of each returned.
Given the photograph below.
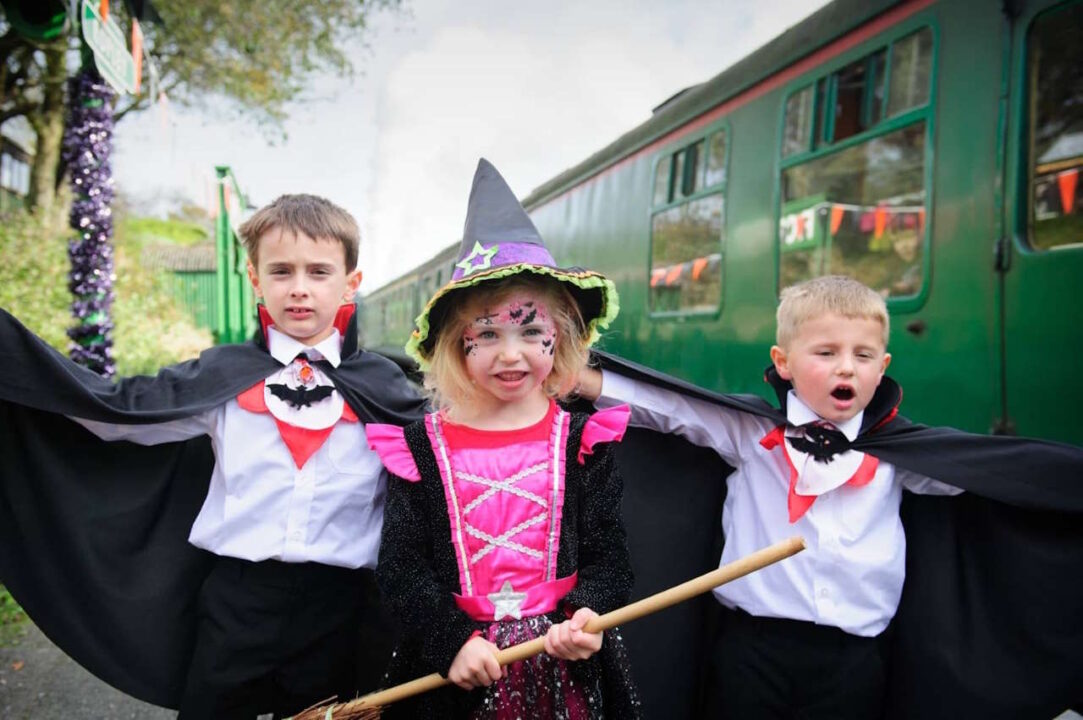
(503, 519)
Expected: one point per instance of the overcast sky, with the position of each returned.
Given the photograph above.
(535, 88)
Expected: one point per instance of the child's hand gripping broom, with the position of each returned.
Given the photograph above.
(368, 706)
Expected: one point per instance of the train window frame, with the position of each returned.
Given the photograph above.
(703, 138)
(1023, 192)
(820, 144)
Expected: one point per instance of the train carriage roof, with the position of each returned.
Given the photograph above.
(816, 31)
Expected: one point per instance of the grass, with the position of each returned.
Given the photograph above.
(12, 618)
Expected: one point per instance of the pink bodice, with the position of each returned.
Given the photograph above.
(505, 501)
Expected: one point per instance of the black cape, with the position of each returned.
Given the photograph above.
(93, 534)
(990, 623)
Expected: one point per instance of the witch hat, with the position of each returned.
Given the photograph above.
(500, 240)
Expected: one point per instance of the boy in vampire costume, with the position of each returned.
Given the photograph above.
(988, 623)
(216, 555)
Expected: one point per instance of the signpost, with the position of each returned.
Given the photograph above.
(111, 55)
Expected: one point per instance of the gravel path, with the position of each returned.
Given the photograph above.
(39, 682)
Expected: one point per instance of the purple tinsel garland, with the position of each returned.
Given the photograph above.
(88, 143)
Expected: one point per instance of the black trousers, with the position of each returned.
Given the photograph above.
(276, 637)
(779, 669)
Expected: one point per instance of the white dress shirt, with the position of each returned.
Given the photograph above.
(260, 505)
(851, 574)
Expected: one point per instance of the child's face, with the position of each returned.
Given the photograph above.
(302, 282)
(509, 346)
(835, 364)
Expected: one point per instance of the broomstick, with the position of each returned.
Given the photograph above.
(368, 706)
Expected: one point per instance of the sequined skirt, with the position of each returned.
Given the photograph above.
(539, 687)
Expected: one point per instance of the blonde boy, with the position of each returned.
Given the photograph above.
(802, 638)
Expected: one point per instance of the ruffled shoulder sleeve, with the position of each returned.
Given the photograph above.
(389, 442)
(603, 426)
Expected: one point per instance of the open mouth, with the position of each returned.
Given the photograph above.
(843, 392)
(511, 376)
(299, 312)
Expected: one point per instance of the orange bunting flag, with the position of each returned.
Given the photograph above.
(656, 276)
(673, 274)
(103, 9)
(137, 53)
(880, 219)
(836, 218)
(799, 227)
(1066, 181)
(921, 220)
(697, 267)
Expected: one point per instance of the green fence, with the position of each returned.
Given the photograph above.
(235, 311)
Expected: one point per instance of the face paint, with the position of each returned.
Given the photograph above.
(509, 347)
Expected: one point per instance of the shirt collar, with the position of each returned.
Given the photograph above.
(798, 413)
(284, 349)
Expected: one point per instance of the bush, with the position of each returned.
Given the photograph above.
(150, 330)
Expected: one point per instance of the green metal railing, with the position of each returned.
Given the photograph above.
(235, 318)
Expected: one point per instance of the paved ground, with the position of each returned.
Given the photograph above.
(39, 682)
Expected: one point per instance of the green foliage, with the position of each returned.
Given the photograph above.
(12, 617)
(33, 277)
(150, 330)
(143, 229)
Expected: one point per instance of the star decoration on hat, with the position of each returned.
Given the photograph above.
(507, 602)
(486, 255)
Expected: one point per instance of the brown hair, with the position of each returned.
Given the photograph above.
(310, 215)
(836, 294)
(447, 380)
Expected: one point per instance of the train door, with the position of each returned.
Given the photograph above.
(1042, 258)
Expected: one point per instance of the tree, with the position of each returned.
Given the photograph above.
(257, 55)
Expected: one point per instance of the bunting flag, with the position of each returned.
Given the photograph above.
(697, 267)
(880, 218)
(137, 53)
(921, 220)
(1066, 181)
(673, 274)
(837, 211)
(103, 10)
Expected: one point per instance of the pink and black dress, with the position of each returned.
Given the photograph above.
(503, 534)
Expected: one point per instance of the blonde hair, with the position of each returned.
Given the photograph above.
(829, 294)
(447, 380)
(310, 215)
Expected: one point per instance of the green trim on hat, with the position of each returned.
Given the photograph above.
(583, 280)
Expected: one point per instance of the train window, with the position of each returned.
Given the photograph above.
(692, 179)
(1056, 129)
(661, 181)
(686, 233)
(859, 93)
(715, 172)
(798, 128)
(858, 212)
(911, 70)
(686, 258)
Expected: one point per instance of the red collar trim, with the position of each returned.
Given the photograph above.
(341, 321)
(798, 505)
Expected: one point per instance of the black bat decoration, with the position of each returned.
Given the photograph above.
(300, 397)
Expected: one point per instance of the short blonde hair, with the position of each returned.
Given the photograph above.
(836, 294)
(447, 380)
(310, 215)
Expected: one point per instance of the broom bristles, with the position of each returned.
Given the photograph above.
(368, 706)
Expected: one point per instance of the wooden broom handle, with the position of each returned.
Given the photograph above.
(646, 606)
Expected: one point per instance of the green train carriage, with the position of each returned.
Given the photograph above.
(930, 149)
